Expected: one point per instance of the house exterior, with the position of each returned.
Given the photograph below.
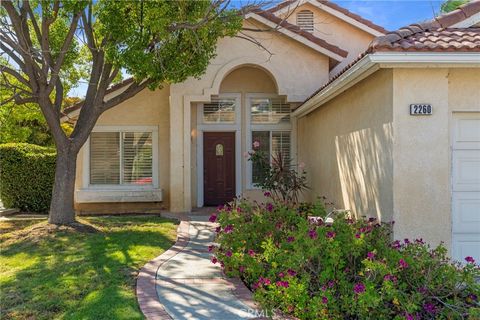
(183, 146)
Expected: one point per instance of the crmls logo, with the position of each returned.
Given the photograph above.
(254, 313)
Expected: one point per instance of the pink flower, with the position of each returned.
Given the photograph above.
(256, 144)
(371, 255)
(228, 253)
(389, 277)
(265, 281)
(290, 239)
(210, 248)
(269, 207)
(214, 260)
(359, 288)
(324, 300)
(251, 253)
(402, 264)
(241, 269)
(396, 244)
(284, 284)
(213, 218)
(291, 272)
(313, 234)
(357, 235)
(228, 229)
(281, 275)
(330, 234)
(470, 259)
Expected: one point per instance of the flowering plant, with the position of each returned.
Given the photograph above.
(347, 270)
(277, 175)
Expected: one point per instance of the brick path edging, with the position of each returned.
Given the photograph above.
(146, 290)
(147, 297)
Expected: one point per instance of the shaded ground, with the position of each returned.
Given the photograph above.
(49, 273)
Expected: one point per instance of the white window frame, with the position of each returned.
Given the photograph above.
(220, 127)
(262, 127)
(119, 129)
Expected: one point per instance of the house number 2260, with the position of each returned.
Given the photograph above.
(420, 109)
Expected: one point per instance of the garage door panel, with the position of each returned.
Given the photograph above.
(466, 134)
(466, 212)
(466, 186)
(465, 245)
(466, 170)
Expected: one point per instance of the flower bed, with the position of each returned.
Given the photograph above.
(345, 270)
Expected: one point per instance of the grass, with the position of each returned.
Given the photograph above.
(66, 274)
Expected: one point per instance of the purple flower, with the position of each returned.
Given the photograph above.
(267, 194)
(430, 308)
(422, 290)
(402, 264)
(290, 239)
(218, 229)
(408, 316)
(470, 259)
(357, 235)
(210, 248)
(220, 207)
(241, 269)
(228, 229)
(324, 300)
(265, 281)
(372, 219)
(359, 288)
(419, 241)
(282, 284)
(251, 253)
(331, 284)
(213, 218)
(396, 244)
(269, 207)
(291, 272)
(313, 234)
(389, 277)
(371, 255)
(214, 260)
(330, 234)
(406, 241)
(472, 297)
(228, 253)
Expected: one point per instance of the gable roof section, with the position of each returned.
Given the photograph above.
(294, 32)
(335, 10)
(433, 36)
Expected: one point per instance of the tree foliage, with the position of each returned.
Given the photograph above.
(451, 5)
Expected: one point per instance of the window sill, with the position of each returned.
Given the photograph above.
(112, 195)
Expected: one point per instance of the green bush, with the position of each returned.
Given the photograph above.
(348, 269)
(27, 174)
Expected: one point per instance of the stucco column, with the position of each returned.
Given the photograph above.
(177, 188)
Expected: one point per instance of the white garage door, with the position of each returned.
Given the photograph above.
(466, 185)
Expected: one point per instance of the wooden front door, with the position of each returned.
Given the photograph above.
(218, 167)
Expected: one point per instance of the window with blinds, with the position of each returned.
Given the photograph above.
(121, 158)
(219, 111)
(305, 20)
(269, 111)
(271, 143)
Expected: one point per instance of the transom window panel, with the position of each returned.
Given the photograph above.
(269, 111)
(271, 143)
(305, 20)
(220, 110)
(121, 158)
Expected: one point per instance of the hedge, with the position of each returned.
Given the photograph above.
(27, 173)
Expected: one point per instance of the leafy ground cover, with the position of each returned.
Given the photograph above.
(50, 273)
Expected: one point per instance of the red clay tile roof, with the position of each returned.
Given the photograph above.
(336, 7)
(291, 27)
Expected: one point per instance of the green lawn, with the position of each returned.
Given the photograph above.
(72, 275)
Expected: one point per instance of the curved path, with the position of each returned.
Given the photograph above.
(182, 283)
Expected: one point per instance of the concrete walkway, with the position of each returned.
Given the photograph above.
(188, 285)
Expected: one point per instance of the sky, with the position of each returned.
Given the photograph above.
(390, 14)
(393, 14)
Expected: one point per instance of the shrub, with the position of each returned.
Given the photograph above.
(346, 270)
(27, 174)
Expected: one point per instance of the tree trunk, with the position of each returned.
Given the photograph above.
(61, 207)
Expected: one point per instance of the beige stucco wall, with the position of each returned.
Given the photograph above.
(422, 156)
(335, 31)
(297, 69)
(346, 146)
(148, 108)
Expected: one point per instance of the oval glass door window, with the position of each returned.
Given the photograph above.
(219, 149)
